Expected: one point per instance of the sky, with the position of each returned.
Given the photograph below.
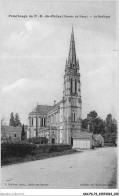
(34, 51)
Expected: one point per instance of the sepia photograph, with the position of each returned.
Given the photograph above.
(59, 89)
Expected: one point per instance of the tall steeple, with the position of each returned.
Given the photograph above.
(72, 51)
(72, 104)
(72, 63)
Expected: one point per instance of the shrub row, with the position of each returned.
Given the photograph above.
(38, 140)
(52, 148)
(22, 149)
(109, 144)
(16, 149)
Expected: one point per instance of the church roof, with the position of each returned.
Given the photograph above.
(82, 135)
(41, 109)
(56, 106)
(44, 109)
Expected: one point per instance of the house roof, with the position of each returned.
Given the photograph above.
(41, 109)
(82, 135)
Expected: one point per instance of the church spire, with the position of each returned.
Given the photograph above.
(72, 51)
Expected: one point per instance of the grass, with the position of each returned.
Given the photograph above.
(14, 160)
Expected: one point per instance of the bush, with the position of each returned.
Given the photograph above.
(38, 140)
(22, 149)
(109, 144)
(48, 148)
(15, 152)
(16, 149)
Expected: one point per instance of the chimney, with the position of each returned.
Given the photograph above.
(54, 102)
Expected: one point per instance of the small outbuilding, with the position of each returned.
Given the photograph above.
(83, 140)
(9, 133)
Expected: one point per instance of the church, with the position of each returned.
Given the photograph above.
(61, 123)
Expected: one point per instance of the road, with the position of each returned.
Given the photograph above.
(84, 170)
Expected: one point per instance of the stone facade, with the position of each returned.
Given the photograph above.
(58, 123)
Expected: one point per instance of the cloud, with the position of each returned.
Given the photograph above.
(19, 84)
(30, 85)
(27, 37)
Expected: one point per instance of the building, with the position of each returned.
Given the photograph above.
(9, 133)
(61, 123)
(83, 140)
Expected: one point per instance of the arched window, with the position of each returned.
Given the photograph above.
(71, 84)
(44, 122)
(32, 121)
(71, 116)
(75, 86)
(74, 117)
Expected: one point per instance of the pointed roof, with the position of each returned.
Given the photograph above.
(72, 51)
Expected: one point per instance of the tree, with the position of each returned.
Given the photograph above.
(114, 126)
(85, 123)
(107, 128)
(12, 121)
(3, 120)
(23, 133)
(110, 129)
(91, 117)
(96, 125)
(99, 126)
(17, 120)
(109, 119)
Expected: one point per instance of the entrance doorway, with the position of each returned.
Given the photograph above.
(101, 144)
(71, 141)
(53, 141)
